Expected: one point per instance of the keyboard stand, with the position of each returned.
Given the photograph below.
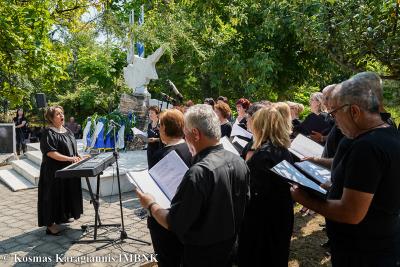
(97, 222)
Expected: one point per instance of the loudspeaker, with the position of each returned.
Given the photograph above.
(41, 100)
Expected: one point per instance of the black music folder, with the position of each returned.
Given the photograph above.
(288, 172)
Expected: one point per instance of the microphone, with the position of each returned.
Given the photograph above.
(114, 123)
(168, 98)
(175, 90)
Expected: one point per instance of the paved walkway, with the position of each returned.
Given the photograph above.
(22, 243)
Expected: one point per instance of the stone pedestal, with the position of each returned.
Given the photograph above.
(138, 104)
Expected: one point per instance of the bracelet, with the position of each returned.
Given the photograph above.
(150, 206)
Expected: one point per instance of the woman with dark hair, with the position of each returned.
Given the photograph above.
(209, 101)
(223, 112)
(59, 200)
(241, 106)
(166, 245)
(20, 130)
(153, 133)
(263, 238)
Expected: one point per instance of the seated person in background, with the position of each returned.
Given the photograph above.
(171, 134)
(223, 111)
(241, 107)
(208, 207)
(73, 126)
(363, 204)
(316, 121)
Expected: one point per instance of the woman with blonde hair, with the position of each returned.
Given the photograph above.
(317, 120)
(262, 237)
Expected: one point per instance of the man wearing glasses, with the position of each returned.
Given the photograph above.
(363, 203)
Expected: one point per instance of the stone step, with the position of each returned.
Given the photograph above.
(28, 169)
(14, 180)
(33, 146)
(35, 156)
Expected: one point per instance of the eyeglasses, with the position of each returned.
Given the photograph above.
(332, 114)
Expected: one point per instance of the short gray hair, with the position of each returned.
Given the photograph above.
(203, 118)
(373, 82)
(358, 91)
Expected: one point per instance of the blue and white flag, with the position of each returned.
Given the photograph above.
(139, 45)
(86, 133)
(108, 143)
(121, 138)
(97, 130)
(100, 136)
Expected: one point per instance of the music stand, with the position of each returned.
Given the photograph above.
(123, 234)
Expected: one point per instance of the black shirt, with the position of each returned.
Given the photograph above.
(332, 142)
(313, 122)
(226, 129)
(209, 204)
(181, 149)
(371, 164)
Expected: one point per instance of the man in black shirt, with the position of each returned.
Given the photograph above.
(208, 208)
(363, 205)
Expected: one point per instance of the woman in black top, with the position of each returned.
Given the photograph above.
(264, 239)
(153, 134)
(59, 200)
(317, 120)
(241, 106)
(223, 112)
(166, 245)
(20, 130)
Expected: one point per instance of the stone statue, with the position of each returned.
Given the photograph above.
(140, 71)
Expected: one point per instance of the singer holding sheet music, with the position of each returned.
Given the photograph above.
(363, 206)
(59, 200)
(268, 223)
(153, 133)
(208, 207)
(166, 244)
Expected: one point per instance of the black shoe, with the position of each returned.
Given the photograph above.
(48, 232)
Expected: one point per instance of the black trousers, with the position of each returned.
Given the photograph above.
(20, 142)
(351, 259)
(167, 247)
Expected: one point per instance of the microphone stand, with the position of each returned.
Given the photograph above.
(123, 234)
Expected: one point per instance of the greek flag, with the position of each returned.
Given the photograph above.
(139, 45)
(96, 134)
(109, 144)
(86, 133)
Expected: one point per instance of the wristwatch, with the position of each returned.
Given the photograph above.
(149, 208)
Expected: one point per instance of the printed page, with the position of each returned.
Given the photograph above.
(318, 173)
(239, 131)
(303, 147)
(168, 173)
(290, 173)
(143, 181)
(241, 142)
(228, 145)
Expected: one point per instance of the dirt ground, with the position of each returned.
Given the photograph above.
(308, 235)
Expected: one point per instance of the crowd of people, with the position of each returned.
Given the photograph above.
(221, 212)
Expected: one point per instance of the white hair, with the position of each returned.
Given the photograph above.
(203, 118)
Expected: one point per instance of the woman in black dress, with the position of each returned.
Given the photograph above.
(20, 130)
(59, 200)
(265, 239)
(153, 133)
(166, 245)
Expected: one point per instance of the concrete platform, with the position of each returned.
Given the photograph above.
(15, 181)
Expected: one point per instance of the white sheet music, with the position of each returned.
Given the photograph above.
(228, 145)
(319, 173)
(239, 131)
(143, 181)
(303, 147)
(289, 172)
(168, 173)
(240, 141)
(138, 132)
